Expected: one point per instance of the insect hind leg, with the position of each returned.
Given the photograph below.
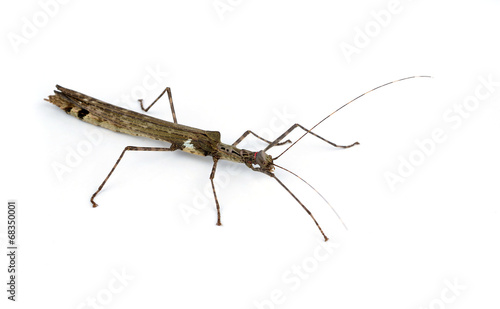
(169, 99)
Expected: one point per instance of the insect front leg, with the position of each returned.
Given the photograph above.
(212, 175)
(170, 100)
(131, 148)
(242, 137)
(303, 206)
(276, 142)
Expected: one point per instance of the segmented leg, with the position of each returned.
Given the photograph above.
(303, 206)
(133, 148)
(276, 142)
(169, 98)
(212, 175)
(262, 139)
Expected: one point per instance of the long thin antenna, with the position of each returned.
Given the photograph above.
(395, 81)
(336, 213)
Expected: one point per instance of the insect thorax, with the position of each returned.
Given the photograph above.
(231, 153)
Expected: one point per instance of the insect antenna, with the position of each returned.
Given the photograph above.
(336, 213)
(395, 81)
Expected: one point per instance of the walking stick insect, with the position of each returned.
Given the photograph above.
(188, 139)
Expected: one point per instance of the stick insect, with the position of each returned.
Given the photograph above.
(185, 138)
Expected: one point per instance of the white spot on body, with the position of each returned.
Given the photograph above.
(187, 144)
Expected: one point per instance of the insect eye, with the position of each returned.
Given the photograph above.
(261, 158)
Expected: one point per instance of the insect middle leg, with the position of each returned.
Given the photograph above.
(131, 148)
(212, 175)
(276, 142)
(169, 98)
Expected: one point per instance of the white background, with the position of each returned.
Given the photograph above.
(235, 70)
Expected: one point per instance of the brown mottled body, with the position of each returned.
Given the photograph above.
(181, 137)
(185, 138)
(97, 112)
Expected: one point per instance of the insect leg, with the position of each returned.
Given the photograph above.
(213, 189)
(303, 206)
(169, 98)
(262, 139)
(276, 142)
(132, 148)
